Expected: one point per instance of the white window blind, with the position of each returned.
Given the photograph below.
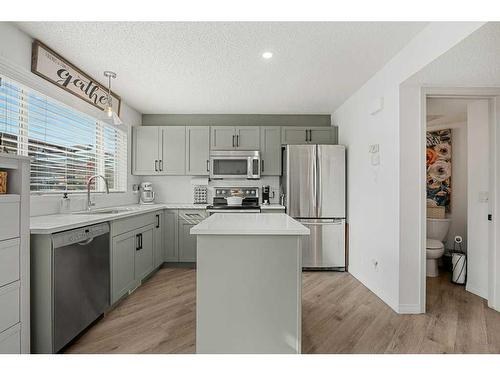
(66, 145)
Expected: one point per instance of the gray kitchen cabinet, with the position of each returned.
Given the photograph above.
(122, 265)
(197, 150)
(248, 138)
(187, 243)
(170, 230)
(292, 135)
(143, 257)
(235, 138)
(158, 150)
(222, 138)
(270, 151)
(132, 252)
(173, 150)
(145, 150)
(159, 239)
(324, 135)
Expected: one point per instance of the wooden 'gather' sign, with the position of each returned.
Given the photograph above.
(51, 66)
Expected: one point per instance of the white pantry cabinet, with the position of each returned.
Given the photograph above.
(15, 257)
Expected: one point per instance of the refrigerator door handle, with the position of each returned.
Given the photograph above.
(319, 182)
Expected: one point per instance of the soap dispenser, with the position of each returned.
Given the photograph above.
(65, 207)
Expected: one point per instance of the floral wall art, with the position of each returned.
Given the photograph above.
(439, 168)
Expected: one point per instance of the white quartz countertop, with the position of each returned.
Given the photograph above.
(250, 224)
(48, 224)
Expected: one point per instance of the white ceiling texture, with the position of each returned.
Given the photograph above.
(217, 67)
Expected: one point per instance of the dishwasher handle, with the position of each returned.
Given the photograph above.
(85, 243)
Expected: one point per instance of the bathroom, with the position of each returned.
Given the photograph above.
(457, 189)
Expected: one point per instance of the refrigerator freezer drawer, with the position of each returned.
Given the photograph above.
(325, 246)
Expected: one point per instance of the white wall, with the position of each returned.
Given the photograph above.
(15, 62)
(375, 214)
(179, 189)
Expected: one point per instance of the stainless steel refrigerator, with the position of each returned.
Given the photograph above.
(313, 183)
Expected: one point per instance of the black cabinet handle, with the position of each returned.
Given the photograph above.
(140, 241)
(262, 165)
(156, 165)
(233, 140)
(157, 221)
(161, 165)
(137, 243)
(237, 141)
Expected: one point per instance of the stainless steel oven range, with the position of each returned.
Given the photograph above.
(249, 204)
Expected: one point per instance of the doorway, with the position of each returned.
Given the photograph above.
(461, 188)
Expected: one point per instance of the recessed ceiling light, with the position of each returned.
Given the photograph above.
(267, 55)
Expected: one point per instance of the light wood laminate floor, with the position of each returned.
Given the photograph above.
(340, 315)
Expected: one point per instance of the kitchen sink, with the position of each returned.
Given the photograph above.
(105, 211)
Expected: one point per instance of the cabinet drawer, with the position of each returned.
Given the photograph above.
(10, 220)
(9, 261)
(10, 340)
(9, 300)
(132, 223)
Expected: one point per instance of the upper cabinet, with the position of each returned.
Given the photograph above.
(197, 150)
(145, 150)
(238, 138)
(173, 148)
(156, 150)
(270, 151)
(185, 150)
(292, 135)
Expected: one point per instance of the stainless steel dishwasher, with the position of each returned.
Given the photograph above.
(80, 280)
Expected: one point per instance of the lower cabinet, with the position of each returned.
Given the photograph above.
(180, 244)
(170, 230)
(122, 267)
(159, 239)
(187, 243)
(133, 252)
(143, 257)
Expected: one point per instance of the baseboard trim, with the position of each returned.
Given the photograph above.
(410, 309)
(380, 294)
(478, 292)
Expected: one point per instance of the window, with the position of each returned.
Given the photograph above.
(67, 146)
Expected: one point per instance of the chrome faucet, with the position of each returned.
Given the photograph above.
(90, 204)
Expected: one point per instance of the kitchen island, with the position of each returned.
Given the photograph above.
(248, 283)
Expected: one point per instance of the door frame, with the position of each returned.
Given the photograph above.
(493, 95)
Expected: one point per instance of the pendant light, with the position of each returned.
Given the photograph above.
(111, 115)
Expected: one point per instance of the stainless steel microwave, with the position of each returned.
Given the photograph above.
(235, 164)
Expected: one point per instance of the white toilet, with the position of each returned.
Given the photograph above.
(437, 230)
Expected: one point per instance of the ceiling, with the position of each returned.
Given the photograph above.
(446, 111)
(472, 62)
(207, 67)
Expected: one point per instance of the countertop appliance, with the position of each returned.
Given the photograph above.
(313, 183)
(249, 204)
(266, 194)
(235, 165)
(80, 280)
(147, 193)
